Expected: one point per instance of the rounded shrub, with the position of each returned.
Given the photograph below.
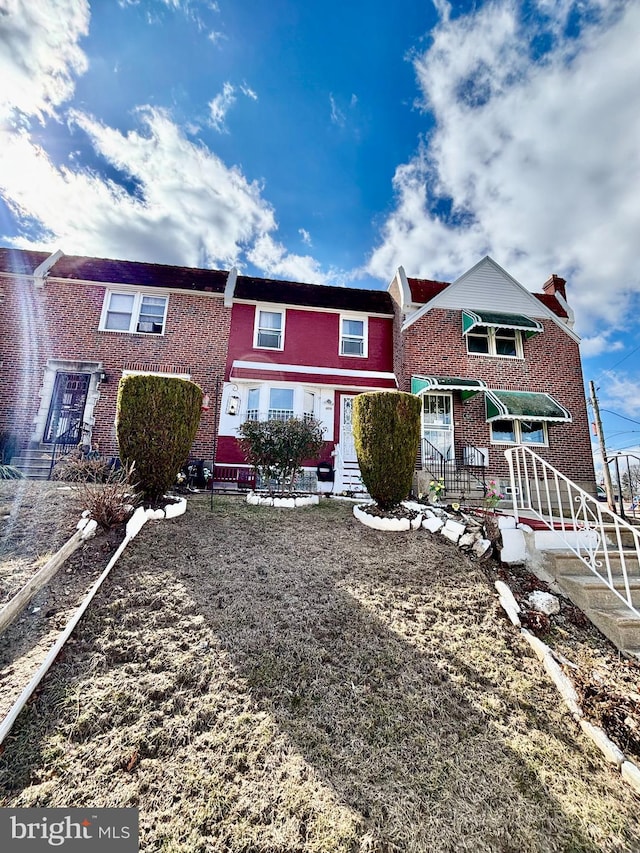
(156, 422)
(386, 429)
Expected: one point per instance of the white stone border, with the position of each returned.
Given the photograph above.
(254, 499)
(611, 752)
(379, 523)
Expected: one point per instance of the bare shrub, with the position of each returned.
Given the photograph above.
(75, 468)
(111, 501)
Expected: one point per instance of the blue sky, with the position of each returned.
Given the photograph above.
(332, 142)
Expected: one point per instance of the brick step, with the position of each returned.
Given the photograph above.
(33, 462)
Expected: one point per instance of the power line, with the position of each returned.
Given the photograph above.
(624, 358)
(624, 417)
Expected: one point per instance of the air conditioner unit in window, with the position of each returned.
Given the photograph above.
(145, 327)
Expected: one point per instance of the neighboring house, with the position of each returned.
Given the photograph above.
(493, 363)
(305, 350)
(71, 327)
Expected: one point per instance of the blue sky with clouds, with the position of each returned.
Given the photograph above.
(331, 142)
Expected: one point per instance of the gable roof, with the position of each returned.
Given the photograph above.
(485, 274)
(313, 295)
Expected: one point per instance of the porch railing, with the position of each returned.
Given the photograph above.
(585, 527)
(65, 443)
(460, 475)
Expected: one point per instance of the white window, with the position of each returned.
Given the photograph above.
(134, 312)
(487, 340)
(280, 404)
(269, 329)
(353, 336)
(253, 404)
(519, 432)
(309, 406)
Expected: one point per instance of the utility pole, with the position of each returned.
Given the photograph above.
(608, 487)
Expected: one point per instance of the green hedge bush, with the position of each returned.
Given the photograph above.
(386, 429)
(156, 423)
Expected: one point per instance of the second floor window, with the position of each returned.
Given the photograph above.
(269, 329)
(352, 336)
(134, 312)
(486, 340)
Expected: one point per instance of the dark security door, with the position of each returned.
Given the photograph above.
(67, 407)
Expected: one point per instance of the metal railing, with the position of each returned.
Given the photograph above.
(586, 527)
(65, 443)
(459, 475)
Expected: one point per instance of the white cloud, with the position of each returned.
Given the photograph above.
(190, 208)
(273, 258)
(40, 54)
(534, 161)
(599, 344)
(219, 106)
(620, 393)
(306, 237)
(223, 101)
(337, 116)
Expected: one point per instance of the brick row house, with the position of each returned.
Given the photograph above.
(494, 364)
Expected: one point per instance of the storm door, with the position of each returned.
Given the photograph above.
(437, 429)
(67, 407)
(346, 431)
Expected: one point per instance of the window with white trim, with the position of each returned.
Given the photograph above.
(280, 404)
(487, 340)
(519, 432)
(134, 312)
(253, 404)
(353, 336)
(269, 329)
(309, 406)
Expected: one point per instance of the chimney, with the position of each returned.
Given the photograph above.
(555, 284)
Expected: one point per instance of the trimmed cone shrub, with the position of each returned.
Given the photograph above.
(156, 422)
(386, 429)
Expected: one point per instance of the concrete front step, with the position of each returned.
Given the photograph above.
(566, 563)
(620, 626)
(588, 592)
(34, 462)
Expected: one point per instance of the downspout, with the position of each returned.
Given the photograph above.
(40, 272)
(230, 287)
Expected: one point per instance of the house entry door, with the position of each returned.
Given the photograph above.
(346, 432)
(437, 428)
(67, 407)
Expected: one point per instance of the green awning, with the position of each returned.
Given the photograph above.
(523, 406)
(498, 320)
(467, 387)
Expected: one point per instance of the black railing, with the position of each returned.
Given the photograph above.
(461, 475)
(65, 443)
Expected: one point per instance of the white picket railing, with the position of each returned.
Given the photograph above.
(588, 528)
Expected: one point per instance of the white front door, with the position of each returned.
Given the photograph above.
(437, 428)
(346, 432)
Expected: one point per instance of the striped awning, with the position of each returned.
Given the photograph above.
(434, 384)
(524, 406)
(498, 320)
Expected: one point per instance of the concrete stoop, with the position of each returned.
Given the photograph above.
(599, 604)
(34, 463)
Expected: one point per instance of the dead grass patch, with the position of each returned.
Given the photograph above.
(267, 680)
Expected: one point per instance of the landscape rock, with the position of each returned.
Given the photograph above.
(544, 602)
(514, 549)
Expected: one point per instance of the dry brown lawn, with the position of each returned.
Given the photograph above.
(273, 680)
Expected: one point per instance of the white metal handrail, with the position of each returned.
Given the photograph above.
(542, 491)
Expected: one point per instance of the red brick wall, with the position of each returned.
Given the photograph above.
(61, 321)
(435, 344)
